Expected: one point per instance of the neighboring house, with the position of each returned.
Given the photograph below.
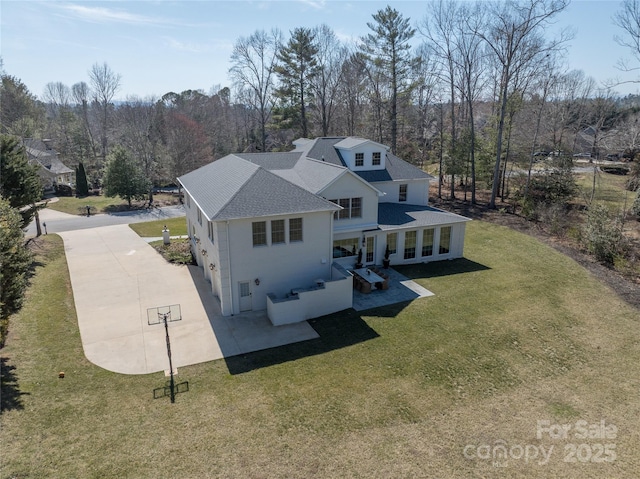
(51, 170)
(279, 231)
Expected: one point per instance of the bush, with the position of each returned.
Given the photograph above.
(635, 208)
(602, 234)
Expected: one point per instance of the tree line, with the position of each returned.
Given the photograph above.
(474, 87)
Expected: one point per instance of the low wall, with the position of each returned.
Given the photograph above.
(312, 302)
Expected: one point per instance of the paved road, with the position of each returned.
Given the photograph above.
(58, 222)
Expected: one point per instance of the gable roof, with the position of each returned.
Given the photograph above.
(396, 169)
(353, 141)
(233, 187)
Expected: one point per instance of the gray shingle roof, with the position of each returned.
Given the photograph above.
(232, 188)
(394, 216)
(396, 168)
(272, 161)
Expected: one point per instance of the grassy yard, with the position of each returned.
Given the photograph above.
(515, 333)
(150, 229)
(103, 204)
(610, 190)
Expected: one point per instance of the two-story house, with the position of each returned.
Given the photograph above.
(265, 226)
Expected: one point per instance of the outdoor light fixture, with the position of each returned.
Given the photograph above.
(212, 266)
(257, 281)
(204, 252)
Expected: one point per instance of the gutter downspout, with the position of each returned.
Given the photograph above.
(229, 263)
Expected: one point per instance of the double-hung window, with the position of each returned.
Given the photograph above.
(210, 225)
(277, 232)
(445, 239)
(427, 242)
(259, 229)
(359, 159)
(295, 230)
(351, 208)
(375, 159)
(409, 245)
(392, 242)
(402, 195)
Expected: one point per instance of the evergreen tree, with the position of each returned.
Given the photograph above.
(124, 177)
(19, 181)
(15, 260)
(82, 187)
(297, 67)
(388, 51)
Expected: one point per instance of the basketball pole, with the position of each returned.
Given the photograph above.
(166, 329)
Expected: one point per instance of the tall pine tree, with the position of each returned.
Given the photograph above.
(388, 51)
(297, 66)
(82, 187)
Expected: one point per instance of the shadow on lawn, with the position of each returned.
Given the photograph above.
(10, 394)
(336, 331)
(440, 268)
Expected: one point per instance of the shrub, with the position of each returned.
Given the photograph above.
(635, 207)
(602, 234)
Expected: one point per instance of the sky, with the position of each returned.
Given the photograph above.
(158, 46)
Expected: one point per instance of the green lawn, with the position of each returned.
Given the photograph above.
(610, 190)
(103, 204)
(150, 229)
(515, 333)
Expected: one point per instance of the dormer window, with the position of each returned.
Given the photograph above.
(375, 160)
(359, 159)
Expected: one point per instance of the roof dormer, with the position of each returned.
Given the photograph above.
(360, 154)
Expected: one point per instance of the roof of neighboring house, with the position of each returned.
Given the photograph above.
(395, 216)
(37, 150)
(233, 187)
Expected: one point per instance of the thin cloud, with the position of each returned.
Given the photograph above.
(317, 4)
(108, 15)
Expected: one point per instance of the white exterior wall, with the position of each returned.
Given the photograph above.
(417, 191)
(280, 267)
(349, 157)
(349, 186)
(336, 295)
(456, 248)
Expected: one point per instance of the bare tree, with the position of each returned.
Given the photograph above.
(81, 95)
(438, 27)
(331, 56)
(253, 62)
(105, 83)
(515, 37)
(628, 19)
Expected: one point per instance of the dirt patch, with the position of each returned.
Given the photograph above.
(627, 287)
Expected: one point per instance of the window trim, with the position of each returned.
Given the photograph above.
(296, 229)
(410, 252)
(376, 158)
(282, 232)
(403, 192)
(257, 234)
(441, 249)
(425, 245)
(359, 159)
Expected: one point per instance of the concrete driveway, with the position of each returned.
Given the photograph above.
(116, 276)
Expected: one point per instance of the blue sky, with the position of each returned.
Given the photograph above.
(161, 46)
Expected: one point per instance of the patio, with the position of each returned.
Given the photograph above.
(401, 289)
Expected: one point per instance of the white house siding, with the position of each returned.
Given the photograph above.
(417, 191)
(456, 249)
(278, 267)
(349, 186)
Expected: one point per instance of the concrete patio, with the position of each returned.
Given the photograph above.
(401, 289)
